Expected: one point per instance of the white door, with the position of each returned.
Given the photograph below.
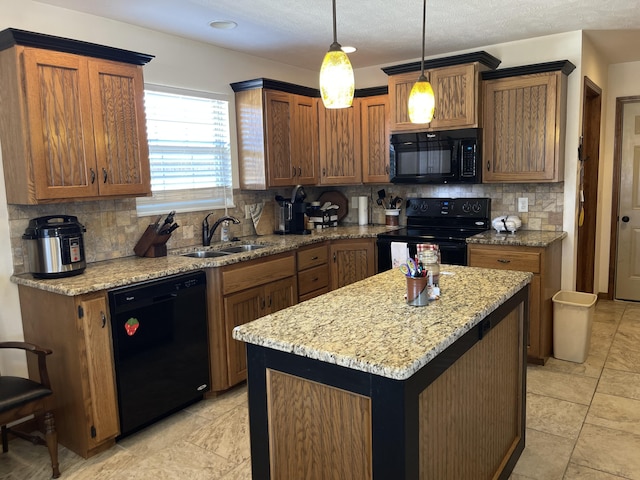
(628, 261)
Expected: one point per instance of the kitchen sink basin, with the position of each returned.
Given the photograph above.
(242, 248)
(205, 254)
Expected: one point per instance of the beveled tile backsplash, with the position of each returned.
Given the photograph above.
(113, 227)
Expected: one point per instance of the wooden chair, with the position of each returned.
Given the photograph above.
(21, 397)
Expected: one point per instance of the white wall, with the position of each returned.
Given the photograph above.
(622, 82)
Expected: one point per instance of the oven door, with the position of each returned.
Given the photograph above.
(452, 252)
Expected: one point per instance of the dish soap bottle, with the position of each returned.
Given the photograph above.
(224, 231)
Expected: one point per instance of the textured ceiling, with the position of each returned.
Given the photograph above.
(298, 32)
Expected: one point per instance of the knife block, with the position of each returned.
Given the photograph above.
(151, 244)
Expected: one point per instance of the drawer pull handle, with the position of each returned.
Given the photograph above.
(104, 319)
(315, 279)
(314, 258)
(503, 260)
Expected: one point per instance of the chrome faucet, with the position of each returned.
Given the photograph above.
(208, 234)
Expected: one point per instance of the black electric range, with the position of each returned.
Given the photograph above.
(446, 222)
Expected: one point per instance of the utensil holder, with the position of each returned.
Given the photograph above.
(418, 291)
(151, 244)
(392, 216)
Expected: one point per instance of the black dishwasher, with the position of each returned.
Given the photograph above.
(160, 347)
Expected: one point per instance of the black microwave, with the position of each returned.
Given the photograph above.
(452, 156)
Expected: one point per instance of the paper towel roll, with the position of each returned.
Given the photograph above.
(363, 210)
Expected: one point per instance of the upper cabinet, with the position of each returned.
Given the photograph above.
(455, 82)
(71, 126)
(524, 123)
(277, 126)
(374, 138)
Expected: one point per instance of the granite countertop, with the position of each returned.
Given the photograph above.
(368, 326)
(128, 270)
(522, 238)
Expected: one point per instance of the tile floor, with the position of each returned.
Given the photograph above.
(583, 422)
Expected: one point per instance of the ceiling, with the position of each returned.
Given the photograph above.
(299, 32)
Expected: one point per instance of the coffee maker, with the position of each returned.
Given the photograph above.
(290, 213)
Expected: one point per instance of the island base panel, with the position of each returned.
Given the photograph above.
(312, 426)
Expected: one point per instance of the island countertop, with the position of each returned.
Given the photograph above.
(522, 238)
(368, 325)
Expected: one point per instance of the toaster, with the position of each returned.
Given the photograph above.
(506, 223)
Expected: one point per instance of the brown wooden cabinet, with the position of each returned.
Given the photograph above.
(351, 260)
(71, 127)
(81, 369)
(524, 126)
(544, 263)
(374, 136)
(313, 271)
(240, 293)
(277, 137)
(456, 94)
(340, 158)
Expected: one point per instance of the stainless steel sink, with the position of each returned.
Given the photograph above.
(205, 254)
(241, 248)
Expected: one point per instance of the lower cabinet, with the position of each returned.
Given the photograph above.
(313, 271)
(238, 294)
(544, 263)
(78, 331)
(351, 261)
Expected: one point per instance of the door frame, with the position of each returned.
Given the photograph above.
(590, 156)
(615, 201)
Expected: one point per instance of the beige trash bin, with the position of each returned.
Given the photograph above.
(572, 319)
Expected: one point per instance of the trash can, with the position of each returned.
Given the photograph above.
(572, 319)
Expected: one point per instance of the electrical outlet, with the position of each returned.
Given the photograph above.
(523, 204)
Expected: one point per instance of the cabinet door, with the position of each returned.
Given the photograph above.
(122, 152)
(278, 111)
(240, 308)
(351, 261)
(521, 129)
(340, 161)
(399, 89)
(304, 140)
(455, 92)
(281, 294)
(60, 125)
(374, 114)
(100, 371)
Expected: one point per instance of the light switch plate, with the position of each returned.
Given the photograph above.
(523, 204)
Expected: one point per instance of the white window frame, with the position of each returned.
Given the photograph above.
(188, 200)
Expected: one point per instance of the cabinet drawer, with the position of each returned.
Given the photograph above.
(504, 258)
(256, 272)
(312, 257)
(315, 293)
(313, 279)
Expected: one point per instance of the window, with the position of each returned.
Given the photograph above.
(189, 151)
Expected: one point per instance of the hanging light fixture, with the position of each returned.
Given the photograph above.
(422, 101)
(336, 74)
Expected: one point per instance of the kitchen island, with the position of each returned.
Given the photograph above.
(361, 385)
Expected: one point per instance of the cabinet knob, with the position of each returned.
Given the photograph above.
(299, 171)
(488, 166)
(104, 175)
(93, 175)
(294, 172)
(504, 260)
(104, 319)
(324, 172)
(625, 219)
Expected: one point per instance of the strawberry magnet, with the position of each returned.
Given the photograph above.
(131, 326)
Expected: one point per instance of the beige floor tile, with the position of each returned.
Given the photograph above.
(557, 417)
(610, 451)
(27, 461)
(227, 437)
(215, 407)
(105, 466)
(577, 472)
(545, 456)
(563, 386)
(241, 472)
(615, 309)
(622, 384)
(623, 356)
(618, 413)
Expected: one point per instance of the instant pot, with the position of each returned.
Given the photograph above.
(55, 246)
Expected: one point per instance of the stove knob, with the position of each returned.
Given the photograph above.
(466, 207)
(476, 207)
(424, 207)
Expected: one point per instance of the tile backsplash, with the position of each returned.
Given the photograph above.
(113, 227)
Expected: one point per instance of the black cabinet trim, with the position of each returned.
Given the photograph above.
(287, 87)
(565, 66)
(482, 57)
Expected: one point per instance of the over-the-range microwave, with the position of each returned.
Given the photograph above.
(452, 156)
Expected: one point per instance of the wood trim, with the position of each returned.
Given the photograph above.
(615, 200)
(482, 57)
(12, 36)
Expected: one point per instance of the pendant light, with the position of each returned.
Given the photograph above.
(336, 74)
(422, 101)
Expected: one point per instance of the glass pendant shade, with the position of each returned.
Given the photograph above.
(422, 101)
(337, 83)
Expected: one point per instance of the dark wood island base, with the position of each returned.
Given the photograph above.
(460, 416)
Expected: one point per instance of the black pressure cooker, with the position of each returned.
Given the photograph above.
(55, 246)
